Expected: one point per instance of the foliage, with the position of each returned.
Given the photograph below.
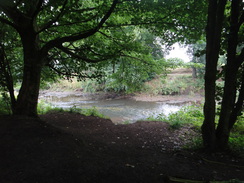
(81, 38)
(181, 85)
(5, 108)
(198, 54)
(44, 108)
(174, 63)
(186, 115)
(236, 142)
(92, 112)
(193, 115)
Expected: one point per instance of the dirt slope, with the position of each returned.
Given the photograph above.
(74, 148)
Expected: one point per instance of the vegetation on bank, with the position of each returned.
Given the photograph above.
(193, 115)
(162, 84)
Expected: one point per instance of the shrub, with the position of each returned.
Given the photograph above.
(186, 115)
(5, 106)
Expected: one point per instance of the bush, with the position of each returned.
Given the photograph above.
(186, 115)
(182, 85)
(44, 108)
(5, 106)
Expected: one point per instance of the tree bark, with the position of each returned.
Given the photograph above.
(239, 104)
(213, 36)
(28, 95)
(194, 72)
(232, 66)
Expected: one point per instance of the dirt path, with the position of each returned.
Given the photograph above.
(74, 148)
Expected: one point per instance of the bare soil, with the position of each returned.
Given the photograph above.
(65, 147)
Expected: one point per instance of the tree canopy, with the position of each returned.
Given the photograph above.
(70, 36)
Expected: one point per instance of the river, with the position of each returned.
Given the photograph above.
(119, 110)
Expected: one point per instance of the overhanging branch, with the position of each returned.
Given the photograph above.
(74, 55)
(70, 75)
(57, 42)
(48, 24)
(5, 21)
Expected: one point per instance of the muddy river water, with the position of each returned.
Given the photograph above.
(118, 110)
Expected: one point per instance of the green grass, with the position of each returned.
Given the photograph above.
(186, 115)
(63, 85)
(44, 108)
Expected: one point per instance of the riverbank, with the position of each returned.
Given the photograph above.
(66, 147)
(196, 98)
(178, 87)
(121, 108)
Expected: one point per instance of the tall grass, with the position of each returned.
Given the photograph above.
(63, 85)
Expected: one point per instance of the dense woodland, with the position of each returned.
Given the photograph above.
(124, 41)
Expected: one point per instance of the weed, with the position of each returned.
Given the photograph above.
(44, 108)
(92, 112)
(195, 143)
(126, 122)
(181, 85)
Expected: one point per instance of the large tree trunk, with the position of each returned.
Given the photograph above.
(28, 95)
(213, 35)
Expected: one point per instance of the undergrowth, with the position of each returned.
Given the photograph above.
(160, 84)
(186, 115)
(44, 108)
(5, 106)
(193, 115)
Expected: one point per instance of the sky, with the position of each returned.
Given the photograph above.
(178, 52)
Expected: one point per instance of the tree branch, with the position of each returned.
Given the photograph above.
(57, 42)
(67, 51)
(38, 8)
(5, 21)
(240, 58)
(48, 24)
(70, 75)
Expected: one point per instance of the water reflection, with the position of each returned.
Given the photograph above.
(118, 110)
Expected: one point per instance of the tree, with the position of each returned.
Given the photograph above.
(131, 72)
(197, 52)
(223, 17)
(64, 35)
(35, 23)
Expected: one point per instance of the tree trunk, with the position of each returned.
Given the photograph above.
(213, 36)
(194, 72)
(28, 95)
(7, 76)
(232, 66)
(239, 104)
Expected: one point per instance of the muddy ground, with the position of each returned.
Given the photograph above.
(65, 147)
